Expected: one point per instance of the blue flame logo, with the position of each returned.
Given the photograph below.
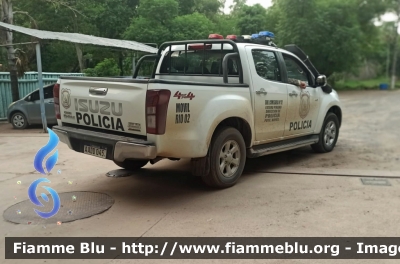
(50, 163)
(43, 152)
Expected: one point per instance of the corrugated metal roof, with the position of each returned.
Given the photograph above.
(81, 38)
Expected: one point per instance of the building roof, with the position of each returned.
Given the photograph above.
(81, 38)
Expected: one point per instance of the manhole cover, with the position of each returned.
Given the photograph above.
(119, 173)
(74, 206)
(375, 181)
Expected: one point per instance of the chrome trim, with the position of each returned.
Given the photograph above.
(280, 148)
(125, 150)
(98, 91)
(262, 91)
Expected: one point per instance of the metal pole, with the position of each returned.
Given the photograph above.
(133, 65)
(41, 93)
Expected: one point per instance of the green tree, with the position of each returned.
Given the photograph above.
(193, 26)
(106, 68)
(162, 11)
(252, 19)
(209, 8)
(153, 25)
(227, 25)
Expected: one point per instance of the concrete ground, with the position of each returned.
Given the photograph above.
(297, 193)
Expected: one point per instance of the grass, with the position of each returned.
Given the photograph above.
(372, 84)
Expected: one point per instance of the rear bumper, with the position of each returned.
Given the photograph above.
(118, 148)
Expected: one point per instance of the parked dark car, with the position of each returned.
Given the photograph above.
(26, 111)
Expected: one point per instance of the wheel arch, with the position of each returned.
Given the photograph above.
(241, 125)
(337, 111)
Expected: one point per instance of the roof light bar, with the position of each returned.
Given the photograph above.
(215, 36)
(266, 34)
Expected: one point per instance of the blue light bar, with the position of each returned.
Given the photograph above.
(254, 36)
(267, 34)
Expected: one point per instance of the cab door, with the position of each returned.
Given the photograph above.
(269, 94)
(303, 104)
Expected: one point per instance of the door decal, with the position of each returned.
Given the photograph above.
(304, 104)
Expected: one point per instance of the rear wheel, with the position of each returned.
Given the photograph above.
(227, 158)
(19, 121)
(329, 134)
(132, 165)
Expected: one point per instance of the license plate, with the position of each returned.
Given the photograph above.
(94, 151)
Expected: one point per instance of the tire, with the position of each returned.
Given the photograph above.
(19, 121)
(329, 135)
(132, 165)
(224, 141)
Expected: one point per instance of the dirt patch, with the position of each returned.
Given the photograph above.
(7, 128)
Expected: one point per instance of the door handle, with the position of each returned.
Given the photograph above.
(262, 91)
(293, 94)
(98, 91)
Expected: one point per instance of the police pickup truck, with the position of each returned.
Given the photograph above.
(216, 101)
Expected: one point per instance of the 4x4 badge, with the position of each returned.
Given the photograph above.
(179, 95)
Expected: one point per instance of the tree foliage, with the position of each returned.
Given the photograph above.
(251, 19)
(337, 35)
(106, 68)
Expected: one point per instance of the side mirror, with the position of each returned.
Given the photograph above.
(322, 81)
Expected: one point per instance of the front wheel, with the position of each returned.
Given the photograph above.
(19, 121)
(329, 134)
(132, 165)
(227, 158)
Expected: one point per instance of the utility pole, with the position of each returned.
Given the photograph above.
(395, 49)
(7, 16)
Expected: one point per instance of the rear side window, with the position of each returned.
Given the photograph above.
(198, 62)
(267, 65)
(146, 69)
(35, 96)
(48, 92)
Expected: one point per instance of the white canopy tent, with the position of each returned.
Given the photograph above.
(73, 38)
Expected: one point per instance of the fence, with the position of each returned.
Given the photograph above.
(27, 84)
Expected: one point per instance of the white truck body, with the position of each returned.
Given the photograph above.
(110, 118)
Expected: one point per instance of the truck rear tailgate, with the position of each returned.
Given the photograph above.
(107, 104)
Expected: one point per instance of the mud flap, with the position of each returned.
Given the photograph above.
(201, 166)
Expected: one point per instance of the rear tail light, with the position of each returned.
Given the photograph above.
(56, 94)
(156, 111)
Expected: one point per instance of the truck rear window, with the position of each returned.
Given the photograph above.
(197, 62)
